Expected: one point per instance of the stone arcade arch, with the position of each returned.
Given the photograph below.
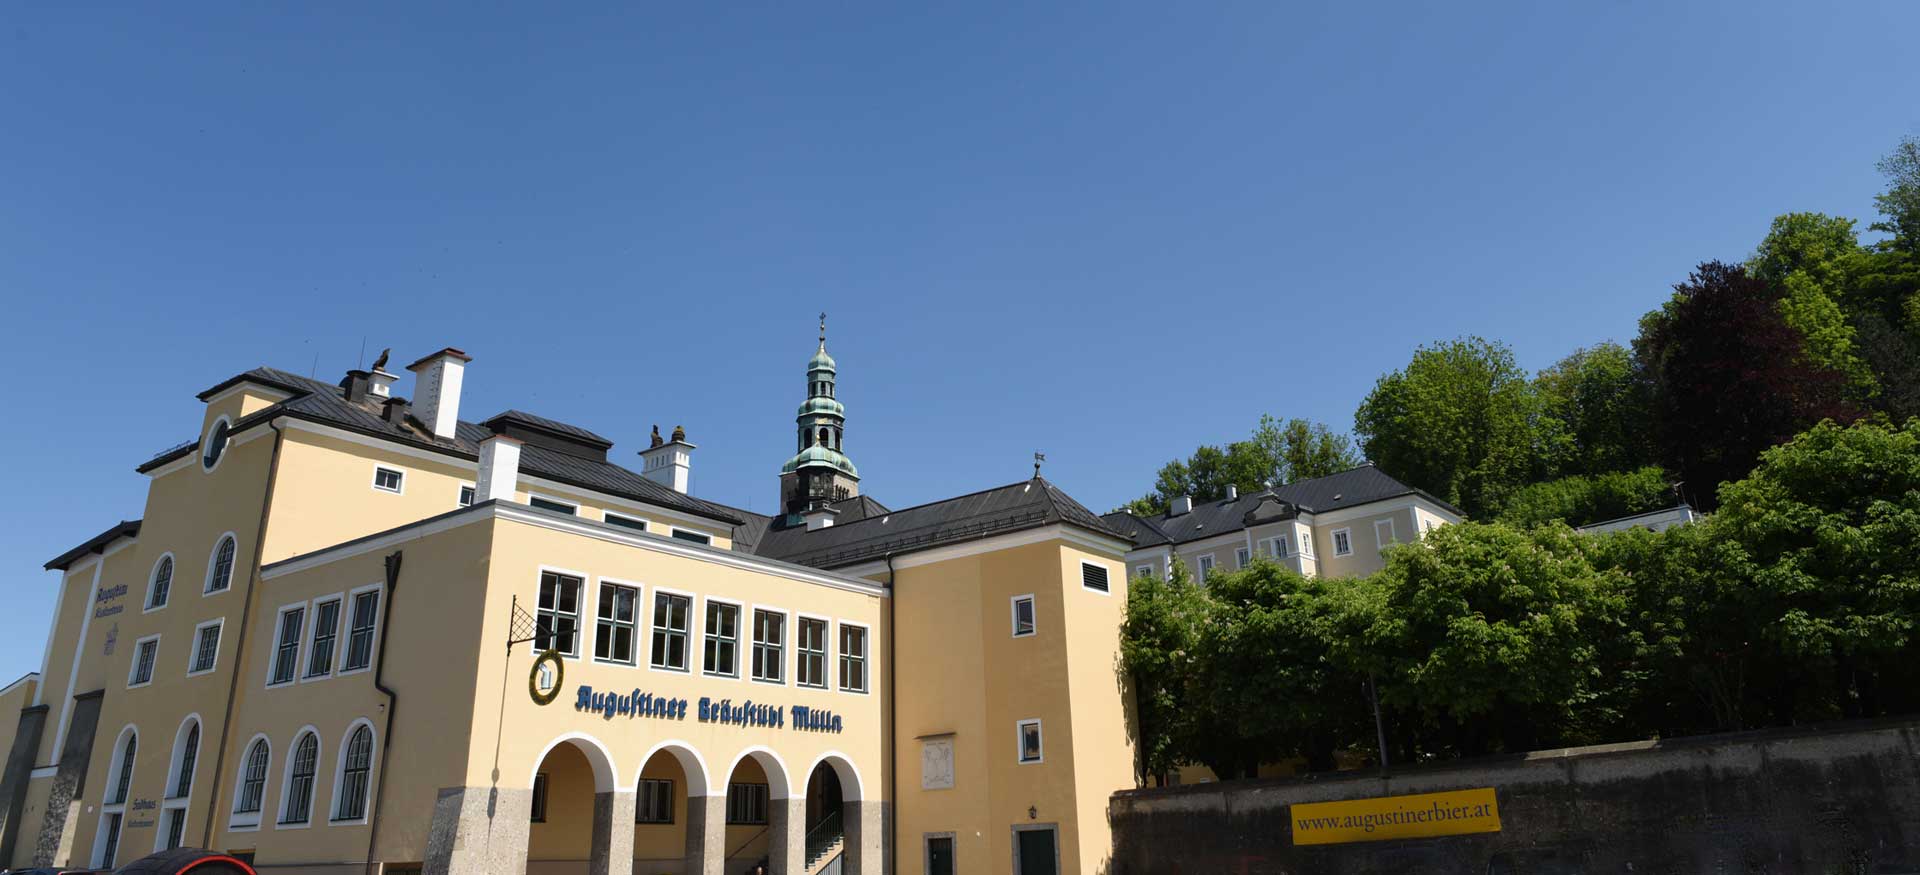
(577, 818)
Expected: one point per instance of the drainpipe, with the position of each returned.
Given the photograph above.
(393, 701)
(240, 642)
(893, 733)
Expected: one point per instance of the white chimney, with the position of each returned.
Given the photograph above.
(1233, 492)
(380, 384)
(499, 469)
(1183, 504)
(819, 517)
(669, 462)
(436, 391)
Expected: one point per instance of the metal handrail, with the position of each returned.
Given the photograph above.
(823, 835)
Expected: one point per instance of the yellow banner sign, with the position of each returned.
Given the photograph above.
(1456, 812)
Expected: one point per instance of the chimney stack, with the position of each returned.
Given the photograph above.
(499, 469)
(669, 462)
(1181, 505)
(819, 518)
(1233, 492)
(395, 411)
(436, 382)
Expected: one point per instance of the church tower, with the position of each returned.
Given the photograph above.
(819, 472)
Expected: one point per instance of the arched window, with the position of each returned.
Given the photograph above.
(298, 807)
(356, 766)
(823, 437)
(124, 775)
(161, 585)
(183, 763)
(253, 781)
(179, 786)
(113, 810)
(220, 567)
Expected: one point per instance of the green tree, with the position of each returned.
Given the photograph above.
(1900, 203)
(1593, 412)
(1160, 653)
(1459, 421)
(1275, 453)
(1300, 450)
(1804, 257)
(1580, 500)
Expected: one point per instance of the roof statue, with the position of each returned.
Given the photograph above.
(657, 442)
(380, 364)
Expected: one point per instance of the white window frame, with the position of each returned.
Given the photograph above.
(1339, 535)
(219, 641)
(753, 641)
(1104, 567)
(1203, 566)
(340, 774)
(310, 636)
(134, 667)
(346, 624)
(107, 809)
(579, 607)
(826, 652)
(740, 621)
(1242, 557)
(171, 806)
(273, 644)
(213, 556)
(692, 631)
(470, 490)
(286, 779)
(1277, 547)
(639, 609)
(1303, 543)
(1143, 570)
(173, 577)
(674, 532)
(1020, 742)
(608, 517)
(200, 450)
(1013, 608)
(398, 489)
(237, 821)
(840, 657)
(1392, 538)
(531, 495)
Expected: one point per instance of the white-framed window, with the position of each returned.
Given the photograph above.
(746, 804)
(286, 644)
(362, 621)
(769, 646)
(388, 479)
(1383, 533)
(557, 620)
(853, 658)
(467, 493)
(626, 522)
(1205, 564)
(113, 810)
(353, 779)
(1277, 547)
(1024, 620)
(1303, 542)
(722, 651)
(690, 535)
(1143, 571)
(810, 643)
(206, 647)
(1027, 735)
(251, 793)
(553, 504)
(1242, 557)
(179, 787)
(160, 583)
(220, 564)
(1342, 542)
(615, 625)
(296, 808)
(146, 652)
(213, 447)
(1093, 576)
(323, 646)
(672, 613)
(653, 801)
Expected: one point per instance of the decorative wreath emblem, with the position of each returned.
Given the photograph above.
(543, 683)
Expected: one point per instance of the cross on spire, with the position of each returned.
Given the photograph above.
(823, 328)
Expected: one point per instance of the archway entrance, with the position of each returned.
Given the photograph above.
(825, 815)
(760, 827)
(572, 792)
(668, 797)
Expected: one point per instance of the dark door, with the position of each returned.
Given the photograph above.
(940, 855)
(1034, 853)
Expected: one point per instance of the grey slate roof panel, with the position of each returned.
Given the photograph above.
(545, 424)
(96, 544)
(1140, 531)
(1350, 488)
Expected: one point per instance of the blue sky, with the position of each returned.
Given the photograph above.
(1109, 232)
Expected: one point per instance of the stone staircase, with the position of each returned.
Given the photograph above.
(825, 843)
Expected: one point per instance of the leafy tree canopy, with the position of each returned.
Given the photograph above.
(1458, 421)
(1579, 500)
(1900, 203)
(1277, 452)
(1593, 412)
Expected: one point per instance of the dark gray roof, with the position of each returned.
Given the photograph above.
(1011, 508)
(326, 403)
(750, 533)
(1351, 488)
(96, 544)
(520, 417)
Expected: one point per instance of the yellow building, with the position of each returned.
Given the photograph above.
(353, 633)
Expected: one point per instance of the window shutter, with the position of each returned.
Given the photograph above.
(1093, 576)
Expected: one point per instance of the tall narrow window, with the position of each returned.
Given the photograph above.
(811, 670)
(558, 624)
(1205, 565)
(1242, 557)
(1383, 533)
(253, 783)
(670, 630)
(176, 827)
(220, 570)
(326, 633)
(1023, 621)
(769, 642)
(653, 801)
(1342, 542)
(286, 653)
(125, 778)
(1029, 741)
(366, 613)
(613, 634)
(853, 658)
(144, 654)
(189, 755)
(206, 649)
(299, 803)
(539, 798)
(1278, 547)
(356, 763)
(722, 655)
(162, 584)
(112, 847)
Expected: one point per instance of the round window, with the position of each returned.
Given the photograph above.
(215, 445)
